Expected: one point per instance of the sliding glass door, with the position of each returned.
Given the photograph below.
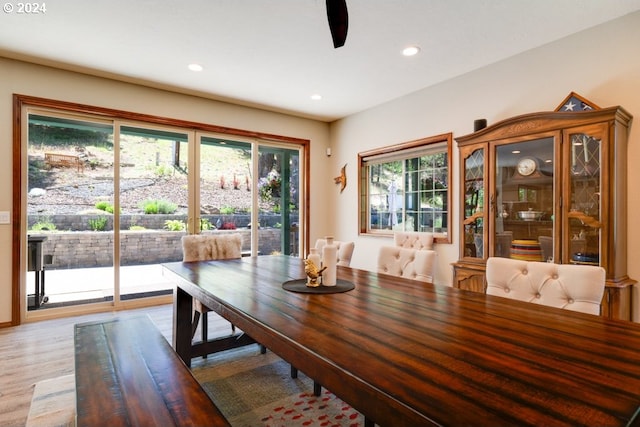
(70, 228)
(249, 187)
(279, 196)
(108, 202)
(153, 207)
(224, 186)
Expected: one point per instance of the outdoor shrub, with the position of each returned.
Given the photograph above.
(98, 224)
(175, 225)
(165, 207)
(205, 224)
(158, 207)
(150, 206)
(137, 228)
(164, 170)
(270, 185)
(227, 210)
(44, 226)
(105, 206)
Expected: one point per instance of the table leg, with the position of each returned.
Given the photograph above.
(42, 282)
(36, 297)
(182, 308)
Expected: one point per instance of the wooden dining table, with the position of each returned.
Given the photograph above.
(409, 353)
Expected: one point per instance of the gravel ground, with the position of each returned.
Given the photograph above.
(75, 193)
(60, 190)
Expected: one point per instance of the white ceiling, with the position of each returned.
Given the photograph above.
(274, 54)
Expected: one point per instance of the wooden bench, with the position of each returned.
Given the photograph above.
(128, 374)
(64, 160)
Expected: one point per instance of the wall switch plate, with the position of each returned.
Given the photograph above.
(5, 217)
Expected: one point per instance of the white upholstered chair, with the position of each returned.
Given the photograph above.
(345, 250)
(203, 247)
(416, 264)
(413, 239)
(566, 286)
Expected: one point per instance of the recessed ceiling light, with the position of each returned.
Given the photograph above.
(195, 67)
(316, 97)
(410, 50)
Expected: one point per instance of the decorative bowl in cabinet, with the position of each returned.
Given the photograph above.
(530, 215)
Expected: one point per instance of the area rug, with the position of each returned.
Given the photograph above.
(253, 389)
(53, 403)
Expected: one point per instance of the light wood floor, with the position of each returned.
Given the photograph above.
(37, 351)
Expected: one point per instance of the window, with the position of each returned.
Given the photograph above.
(406, 187)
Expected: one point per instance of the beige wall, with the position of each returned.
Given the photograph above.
(600, 64)
(27, 79)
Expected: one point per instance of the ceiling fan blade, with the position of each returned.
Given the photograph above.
(338, 21)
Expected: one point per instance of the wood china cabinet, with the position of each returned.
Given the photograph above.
(548, 186)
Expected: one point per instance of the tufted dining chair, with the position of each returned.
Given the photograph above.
(345, 250)
(566, 286)
(416, 264)
(413, 239)
(204, 247)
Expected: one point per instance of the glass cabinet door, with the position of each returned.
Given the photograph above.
(523, 201)
(474, 182)
(583, 233)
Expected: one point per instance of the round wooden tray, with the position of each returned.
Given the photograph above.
(300, 286)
